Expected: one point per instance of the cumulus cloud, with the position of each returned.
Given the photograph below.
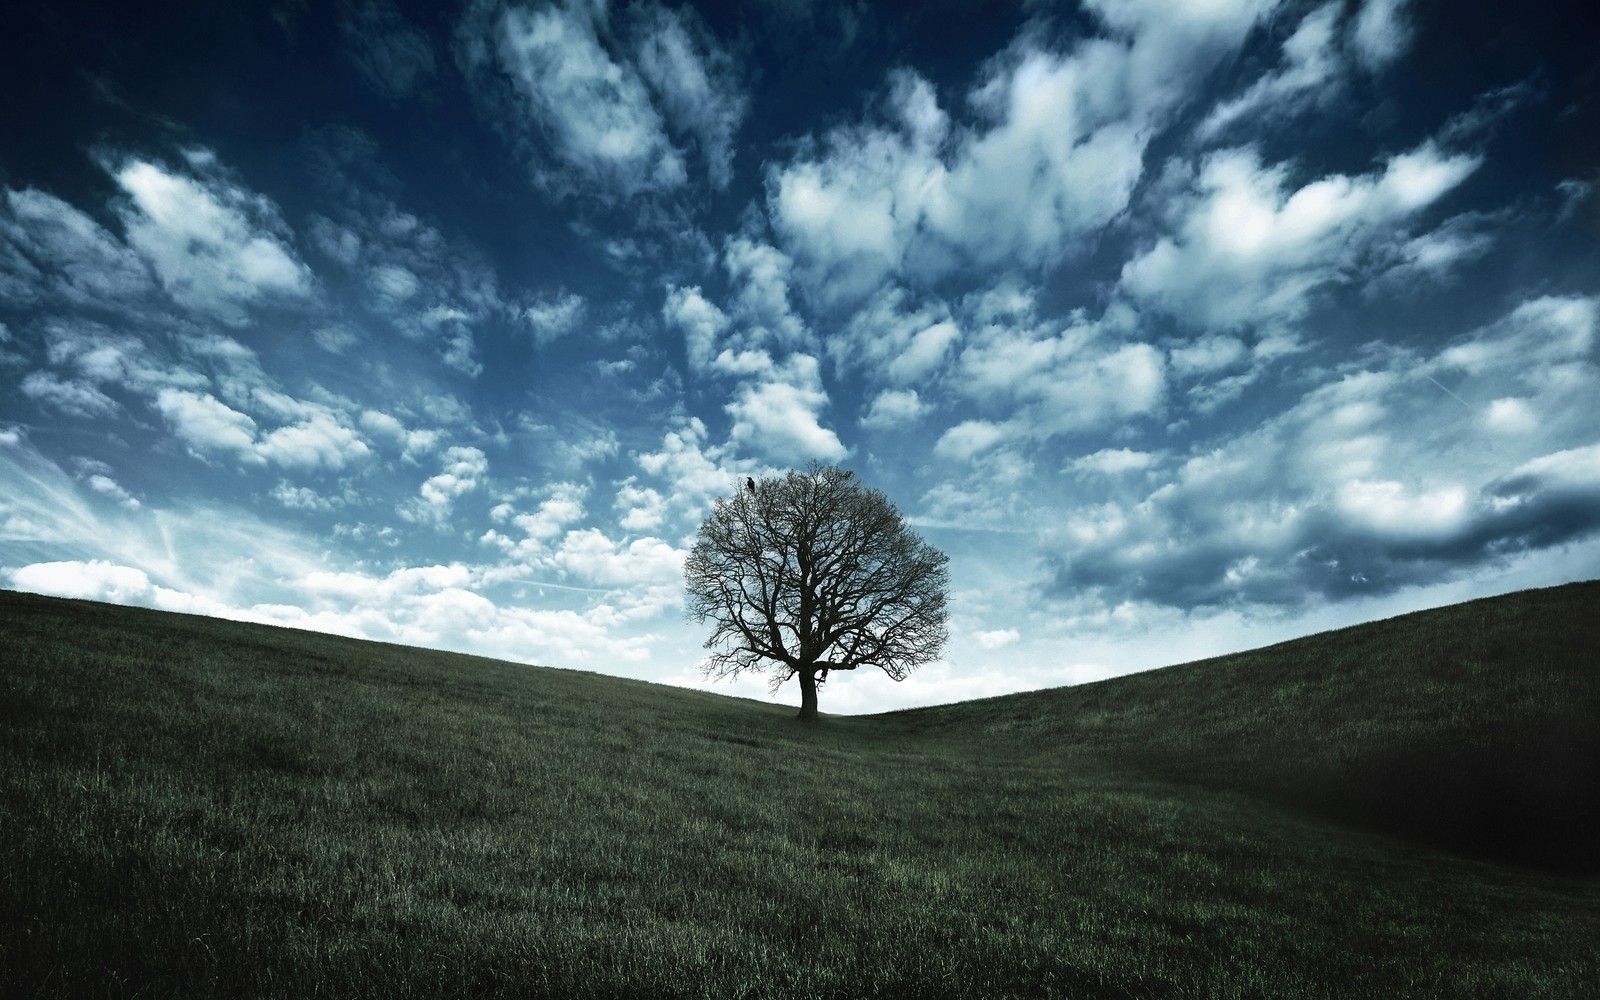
(700, 321)
(1083, 376)
(206, 424)
(1381, 33)
(215, 246)
(554, 317)
(691, 470)
(762, 309)
(1251, 250)
(1052, 153)
(594, 112)
(894, 408)
(1113, 461)
(779, 417)
(891, 338)
(462, 471)
(997, 638)
(74, 398)
(1371, 482)
(95, 580)
(1309, 75)
(51, 252)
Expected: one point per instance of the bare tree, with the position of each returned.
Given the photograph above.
(810, 573)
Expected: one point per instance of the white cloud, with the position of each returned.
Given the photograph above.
(594, 111)
(1054, 152)
(968, 438)
(462, 469)
(765, 318)
(778, 419)
(95, 580)
(206, 424)
(589, 555)
(1113, 461)
(894, 408)
(48, 249)
(889, 338)
(644, 509)
(696, 84)
(554, 317)
(1083, 377)
(1381, 33)
(108, 487)
(1509, 415)
(78, 399)
(1542, 332)
(1310, 74)
(215, 246)
(997, 638)
(320, 442)
(699, 319)
(1249, 251)
(1372, 482)
(691, 472)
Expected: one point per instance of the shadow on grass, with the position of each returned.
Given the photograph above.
(1534, 803)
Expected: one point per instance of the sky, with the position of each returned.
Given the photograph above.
(1182, 328)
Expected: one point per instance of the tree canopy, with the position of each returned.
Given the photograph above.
(811, 572)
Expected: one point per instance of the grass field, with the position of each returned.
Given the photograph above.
(192, 807)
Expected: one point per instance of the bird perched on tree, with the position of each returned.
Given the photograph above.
(750, 484)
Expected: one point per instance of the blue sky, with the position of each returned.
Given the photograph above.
(1181, 328)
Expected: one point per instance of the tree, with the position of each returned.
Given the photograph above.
(811, 573)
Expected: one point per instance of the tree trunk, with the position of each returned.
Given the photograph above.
(808, 696)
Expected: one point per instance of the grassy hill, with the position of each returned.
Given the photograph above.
(193, 807)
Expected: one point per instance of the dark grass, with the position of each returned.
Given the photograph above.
(192, 807)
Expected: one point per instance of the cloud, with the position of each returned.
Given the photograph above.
(214, 246)
(1328, 49)
(317, 439)
(108, 487)
(95, 580)
(1371, 482)
(1113, 462)
(1052, 153)
(1310, 75)
(394, 55)
(206, 424)
(552, 318)
(997, 638)
(778, 418)
(691, 471)
(319, 442)
(894, 408)
(1381, 33)
(1537, 334)
(462, 469)
(50, 252)
(966, 439)
(696, 84)
(890, 339)
(1083, 377)
(594, 112)
(701, 322)
(77, 399)
(765, 319)
(1249, 251)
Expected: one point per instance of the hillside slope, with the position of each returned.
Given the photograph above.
(197, 807)
(1474, 727)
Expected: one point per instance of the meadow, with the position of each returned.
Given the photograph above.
(201, 808)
